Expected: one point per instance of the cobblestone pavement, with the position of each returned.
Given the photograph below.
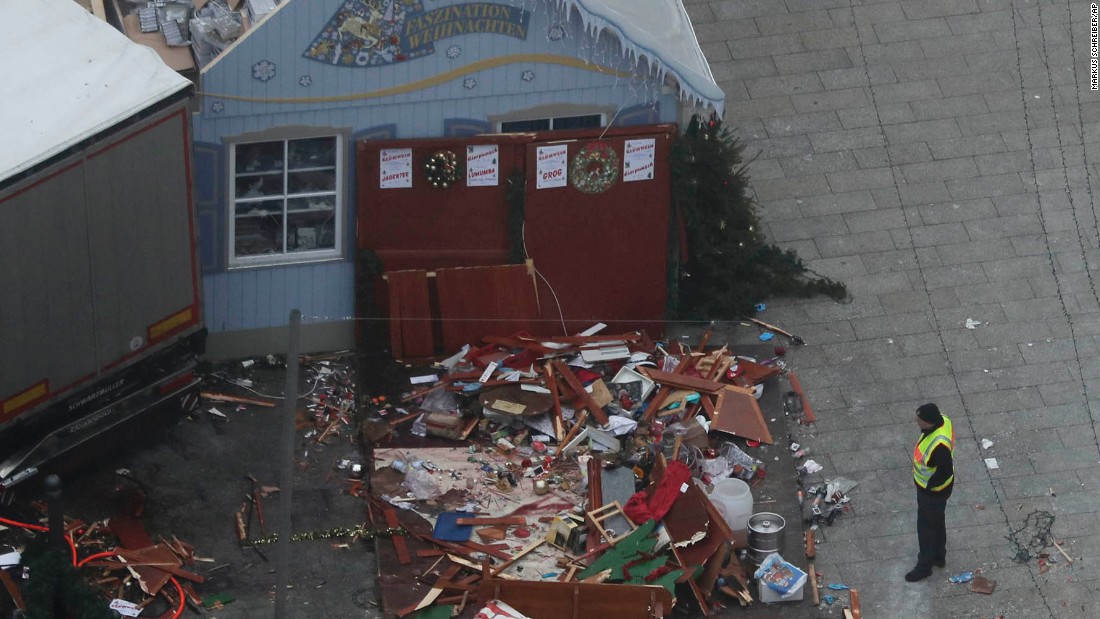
(940, 157)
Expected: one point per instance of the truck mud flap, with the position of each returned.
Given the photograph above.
(177, 394)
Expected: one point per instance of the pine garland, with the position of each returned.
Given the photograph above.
(730, 266)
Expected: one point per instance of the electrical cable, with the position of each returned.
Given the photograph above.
(40, 528)
(183, 597)
(526, 255)
(98, 555)
(225, 376)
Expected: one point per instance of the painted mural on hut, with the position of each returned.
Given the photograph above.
(370, 33)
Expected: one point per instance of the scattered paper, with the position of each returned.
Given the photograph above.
(125, 608)
(972, 324)
(593, 330)
(986, 443)
(811, 467)
(427, 378)
(488, 373)
(217, 413)
(452, 361)
(620, 425)
(514, 408)
(578, 362)
(991, 463)
(10, 559)
(495, 609)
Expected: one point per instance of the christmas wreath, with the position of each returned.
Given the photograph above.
(442, 169)
(595, 168)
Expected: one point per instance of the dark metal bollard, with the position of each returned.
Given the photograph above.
(55, 514)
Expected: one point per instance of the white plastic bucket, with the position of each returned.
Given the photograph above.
(733, 498)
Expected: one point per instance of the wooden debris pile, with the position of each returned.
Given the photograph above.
(598, 449)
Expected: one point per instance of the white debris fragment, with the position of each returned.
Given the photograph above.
(986, 443)
(991, 463)
(972, 324)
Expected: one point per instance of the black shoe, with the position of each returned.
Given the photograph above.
(918, 573)
(940, 563)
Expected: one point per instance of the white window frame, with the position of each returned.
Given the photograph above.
(339, 212)
(500, 123)
(550, 111)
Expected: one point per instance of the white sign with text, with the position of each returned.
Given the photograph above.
(638, 160)
(395, 168)
(482, 163)
(551, 166)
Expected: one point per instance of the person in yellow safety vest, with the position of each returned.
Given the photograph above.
(934, 475)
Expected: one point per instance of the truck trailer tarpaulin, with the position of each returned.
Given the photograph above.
(100, 318)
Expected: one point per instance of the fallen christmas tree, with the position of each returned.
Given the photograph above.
(729, 265)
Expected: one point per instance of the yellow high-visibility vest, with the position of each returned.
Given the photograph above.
(943, 435)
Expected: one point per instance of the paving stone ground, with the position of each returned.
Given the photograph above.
(942, 158)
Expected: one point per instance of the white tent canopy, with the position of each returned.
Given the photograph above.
(67, 76)
(661, 31)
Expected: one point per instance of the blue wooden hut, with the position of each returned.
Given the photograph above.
(280, 113)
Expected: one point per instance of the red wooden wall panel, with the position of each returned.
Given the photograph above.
(604, 255)
(410, 314)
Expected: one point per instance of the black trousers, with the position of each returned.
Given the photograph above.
(931, 527)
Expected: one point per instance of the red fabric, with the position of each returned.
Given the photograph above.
(640, 508)
(637, 510)
(586, 376)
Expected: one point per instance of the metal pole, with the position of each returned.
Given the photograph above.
(286, 487)
(55, 514)
(55, 521)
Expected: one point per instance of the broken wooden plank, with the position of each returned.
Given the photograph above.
(752, 373)
(582, 418)
(224, 397)
(575, 599)
(507, 564)
(398, 540)
(853, 596)
(807, 410)
(552, 385)
(679, 381)
(737, 412)
(410, 314)
(486, 521)
(491, 534)
(658, 400)
(13, 590)
(771, 327)
(585, 397)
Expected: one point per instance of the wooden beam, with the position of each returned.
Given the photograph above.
(552, 385)
(399, 543)
(507, 564)
(658, 400)
(692, 383)
(99, 10)
(485, 521)
(223, 397)
(807, 410)
(585, 397)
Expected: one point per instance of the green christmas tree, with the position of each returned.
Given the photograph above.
(730, 266)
